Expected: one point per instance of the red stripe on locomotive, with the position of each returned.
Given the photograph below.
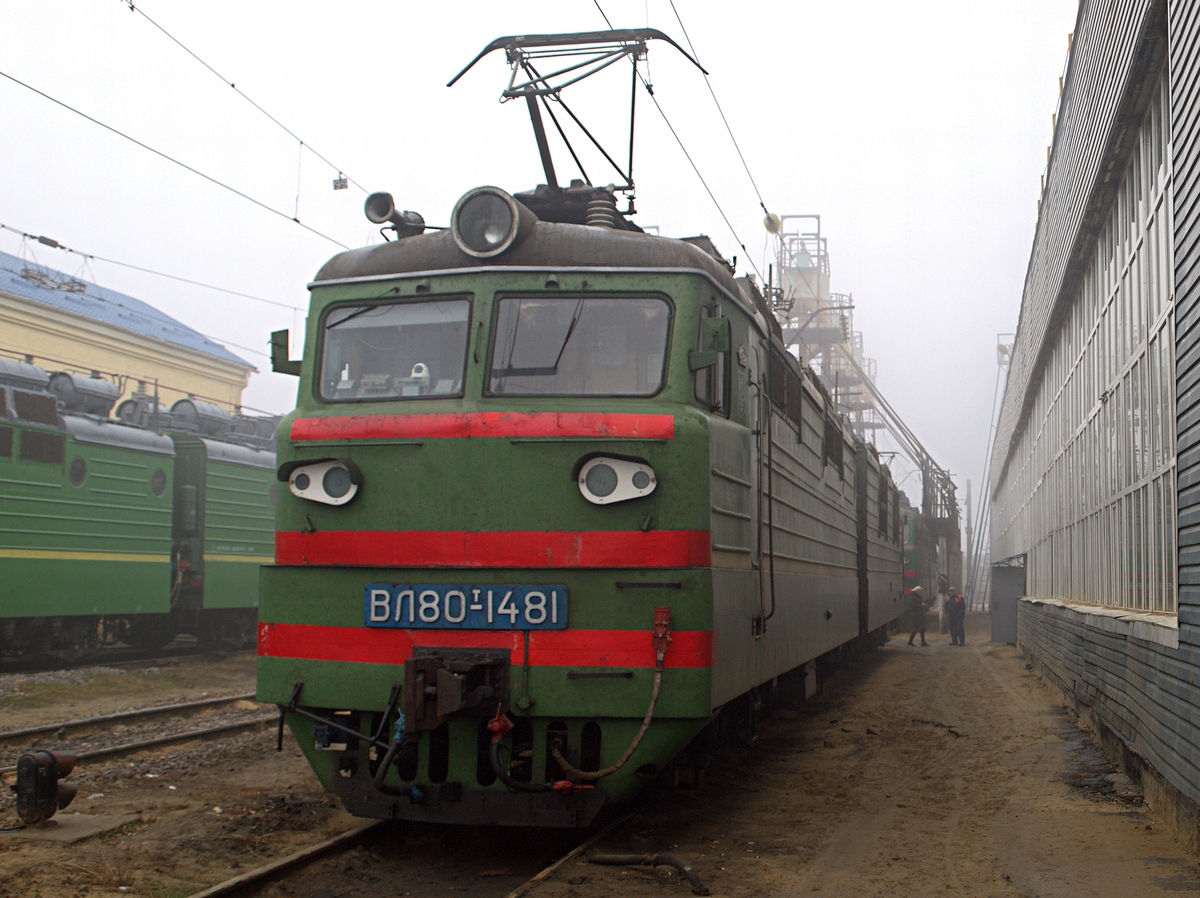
(494, 549)
(547, 648)
(484, 424)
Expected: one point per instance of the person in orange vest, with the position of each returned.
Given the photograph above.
(956, 615)
(917, 597)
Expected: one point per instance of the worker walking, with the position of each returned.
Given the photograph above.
(917, 597)
(956, 615)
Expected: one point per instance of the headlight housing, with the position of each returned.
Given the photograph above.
(331, 482)
(604, 480)
(488, 221)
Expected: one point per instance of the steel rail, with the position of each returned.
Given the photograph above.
(247, 883)
(9, 735)
(110, 656)
(537, 878)
(172, 739)
(260, 875)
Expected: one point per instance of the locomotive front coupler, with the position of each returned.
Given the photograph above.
(439, 682)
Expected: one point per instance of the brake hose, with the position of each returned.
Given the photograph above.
(575, 772)
(661, 639)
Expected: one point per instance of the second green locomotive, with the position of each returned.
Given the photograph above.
(131, 528)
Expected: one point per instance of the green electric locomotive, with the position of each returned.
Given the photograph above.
(131, 528)
(557, 496)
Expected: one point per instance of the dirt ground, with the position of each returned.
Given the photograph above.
(928, 771)
(198, 814)
(925, 771)
(34, 698)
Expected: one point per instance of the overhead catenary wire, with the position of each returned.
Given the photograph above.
(54, 244)
(173, 160)
(304, 145)
(708, 82)
(650, 90)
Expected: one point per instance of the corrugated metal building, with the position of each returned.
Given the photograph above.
(64, 322)
(1096, 471)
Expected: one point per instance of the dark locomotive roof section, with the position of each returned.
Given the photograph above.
(31, 395)
(551, 245)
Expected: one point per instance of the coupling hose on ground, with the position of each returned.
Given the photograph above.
(652, 860)
(577, 774)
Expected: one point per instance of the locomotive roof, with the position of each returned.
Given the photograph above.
(550, 245)
(109, 432)
(231, 452)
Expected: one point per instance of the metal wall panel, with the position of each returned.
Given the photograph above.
(1145, 691)
(1184, 31)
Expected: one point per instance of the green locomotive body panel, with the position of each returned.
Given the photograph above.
(84, 520)
(224, 522)
(239, 527)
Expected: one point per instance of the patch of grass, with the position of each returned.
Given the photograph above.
(106, 872)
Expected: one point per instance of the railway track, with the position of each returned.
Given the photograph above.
(95, 739)
(311, 863)
(118, 656)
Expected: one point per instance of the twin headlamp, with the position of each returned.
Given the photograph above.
(604, 480)
(330, 481)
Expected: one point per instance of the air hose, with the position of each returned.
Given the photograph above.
(653, 860)
(415, 793)
(499, 726)
(661, 639)
(563, 787)
(578, 774)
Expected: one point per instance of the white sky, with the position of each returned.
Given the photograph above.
(917, 131)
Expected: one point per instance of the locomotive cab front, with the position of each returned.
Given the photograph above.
(492, 597)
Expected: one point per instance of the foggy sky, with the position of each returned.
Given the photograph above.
(917, 131)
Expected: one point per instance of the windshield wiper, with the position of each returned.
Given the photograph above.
(567, 338)
(361, 311)
(353, 314)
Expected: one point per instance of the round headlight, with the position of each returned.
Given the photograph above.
(487, 221)
(601, 480)
(336, 482)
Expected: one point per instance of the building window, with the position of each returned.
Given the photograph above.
(1090, 487)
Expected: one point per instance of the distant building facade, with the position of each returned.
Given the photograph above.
(64, 323)
(1095, 476)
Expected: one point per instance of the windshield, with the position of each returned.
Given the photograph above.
(577, 346)
(395, 350)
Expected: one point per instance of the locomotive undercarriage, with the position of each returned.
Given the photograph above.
(74, 638)
(445, 774)
(441, 763)
(448, 778)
